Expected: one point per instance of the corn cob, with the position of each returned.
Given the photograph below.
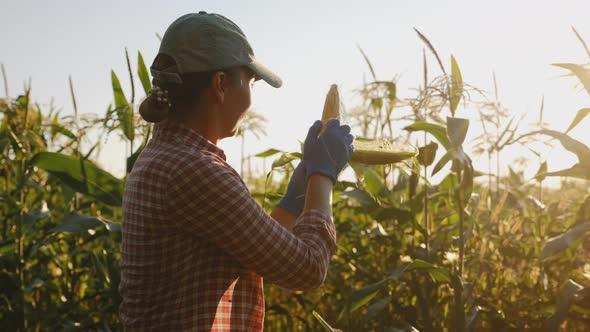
(372, 152)
(331, 106)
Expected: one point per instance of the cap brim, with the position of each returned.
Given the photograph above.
(266, 74)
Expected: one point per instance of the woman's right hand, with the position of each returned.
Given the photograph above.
(328, 153)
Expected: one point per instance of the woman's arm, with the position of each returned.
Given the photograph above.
(284, 217)
(318, 196)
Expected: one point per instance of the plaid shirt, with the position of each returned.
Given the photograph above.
(196, 245)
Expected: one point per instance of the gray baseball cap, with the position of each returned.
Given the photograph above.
(203, 41)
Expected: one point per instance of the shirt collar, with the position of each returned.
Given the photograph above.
(179, 134)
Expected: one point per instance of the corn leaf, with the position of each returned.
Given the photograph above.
(361, 296)
(581, 72)
(439, 132)
(577, 171)
(564, 241)
(541, 173)
(465, 188)
(579, 117)
(457, 130)
(401, 215)
(285, 158)
(448, 156)
(323, 322)
(570, 144)
(584, 211)
(456, 85)
(131, 159)
(375, 309)
(267, 153)
(77, 223)
(123, 109)
(427, 154)
(566, 297)
(143, 74)
(374, 183)
(437, 273)
(362, 197)
(392, 96)
(100, 184)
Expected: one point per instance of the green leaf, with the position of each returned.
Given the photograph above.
(566, 297)
(401, 215)
(32, 217)
(540, 176)
(564, 241)
(142, 72)
(131, 159)
(323, 322)
(361, 296)
(439, 132)
(100, 267)
(457, 130)
(437, 273)
(392, 96)
(465, 188)
(267, 153)
(576, 171)
(67, 192)
(100, 184)
(584, 210)
(427, 154)
(374, 183)
(123, 109)
(7, 247)
(456, 85)
(285, 158)
(579, 117)
(579, 71)
(401, 327)
(472, 318)
(58, 128)
(572, 145)
(360, 196)
(76, 223)
(448, 156)
(376, 308)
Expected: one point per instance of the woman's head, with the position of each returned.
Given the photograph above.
(204, 60)
(177, 99)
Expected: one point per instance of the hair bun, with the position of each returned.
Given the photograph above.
(156, 106)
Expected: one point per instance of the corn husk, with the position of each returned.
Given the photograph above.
(379, 152)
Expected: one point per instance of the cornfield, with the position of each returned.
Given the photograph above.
(479, 250)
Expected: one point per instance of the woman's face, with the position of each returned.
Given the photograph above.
(237, 101)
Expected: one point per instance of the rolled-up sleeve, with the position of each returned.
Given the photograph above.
(209, 199)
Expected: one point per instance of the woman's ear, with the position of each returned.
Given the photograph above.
(218, 82)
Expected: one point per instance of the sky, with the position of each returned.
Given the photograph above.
(311, 44)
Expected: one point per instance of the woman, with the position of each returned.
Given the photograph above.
(195, 243)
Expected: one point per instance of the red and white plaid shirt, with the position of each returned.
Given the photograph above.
(196, 245)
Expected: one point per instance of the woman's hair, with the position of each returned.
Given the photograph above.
(181, 98)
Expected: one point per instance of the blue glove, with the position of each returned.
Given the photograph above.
(329, 153)
(294, 198)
